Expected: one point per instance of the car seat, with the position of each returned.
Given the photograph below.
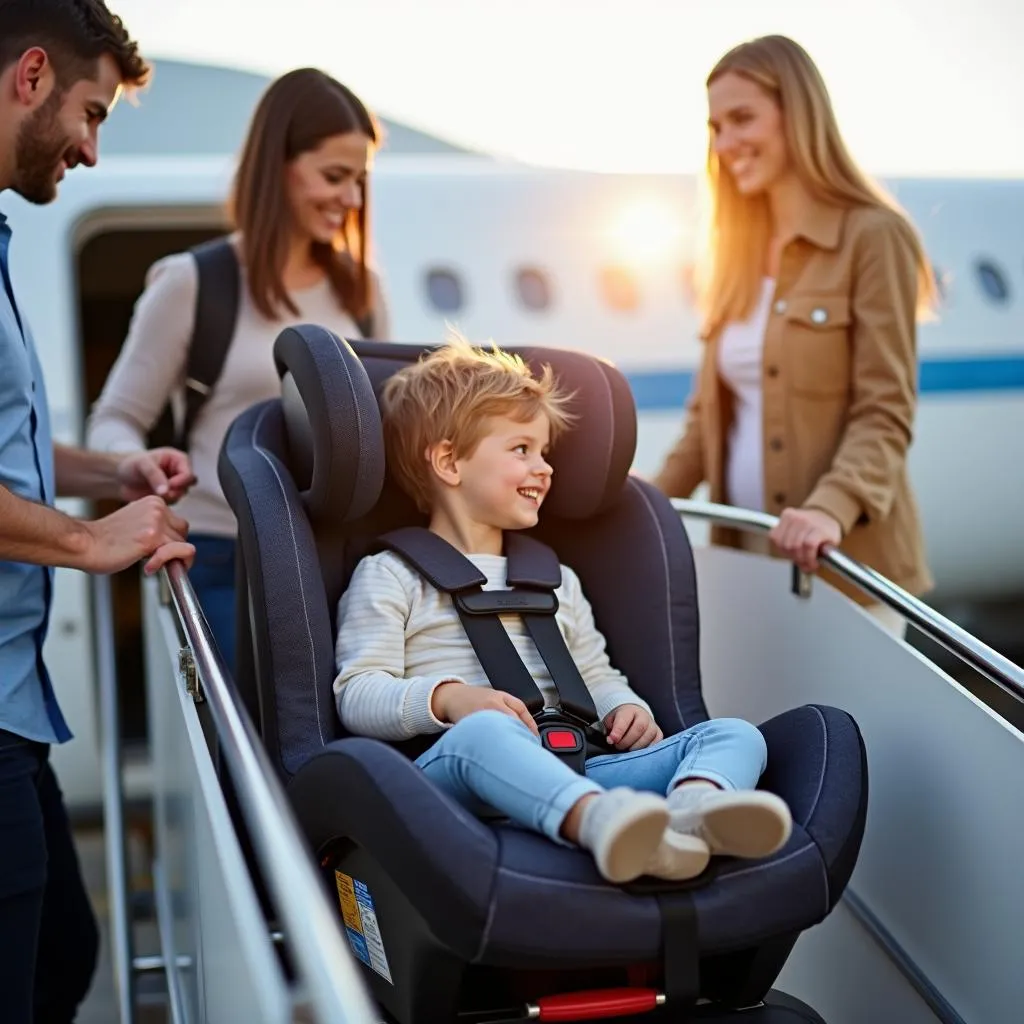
(458, 918)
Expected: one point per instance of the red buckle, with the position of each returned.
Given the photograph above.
(561, 739)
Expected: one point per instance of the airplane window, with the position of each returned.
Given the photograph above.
(533, 288)
(619, 288)
(444, 290)
(993, 281)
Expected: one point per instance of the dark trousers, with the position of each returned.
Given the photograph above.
(48, 936)
(213, 578)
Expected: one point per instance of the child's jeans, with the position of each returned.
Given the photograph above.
(492, 759)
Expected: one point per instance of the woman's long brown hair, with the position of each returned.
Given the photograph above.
(296, 113)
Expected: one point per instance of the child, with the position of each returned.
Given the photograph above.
(466, 435)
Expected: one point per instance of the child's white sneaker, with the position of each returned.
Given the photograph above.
(678, 857)
(622, 829)
(736, 823)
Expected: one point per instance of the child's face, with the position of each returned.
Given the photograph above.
(503, 483)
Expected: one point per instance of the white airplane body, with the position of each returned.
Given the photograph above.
(481, 246)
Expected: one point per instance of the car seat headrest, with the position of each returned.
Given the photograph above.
(591, 460)
(332, 421)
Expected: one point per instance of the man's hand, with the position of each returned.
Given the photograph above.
(631, 727)
(165, 472)
(146, 528)
(453, 701)
(804, 533)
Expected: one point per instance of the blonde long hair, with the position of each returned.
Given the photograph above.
(739, 227)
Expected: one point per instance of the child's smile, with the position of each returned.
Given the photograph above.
(500, 486)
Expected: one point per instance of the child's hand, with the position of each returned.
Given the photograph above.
(453, 701)
(630, 727)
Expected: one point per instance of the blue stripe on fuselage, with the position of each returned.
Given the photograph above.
(668, 389)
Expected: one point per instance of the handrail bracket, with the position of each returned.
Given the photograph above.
(803, 582)
(187, 667)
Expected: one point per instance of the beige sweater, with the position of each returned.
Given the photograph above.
(399, 638)
(151, 367)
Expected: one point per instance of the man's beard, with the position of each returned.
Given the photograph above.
(38, 151)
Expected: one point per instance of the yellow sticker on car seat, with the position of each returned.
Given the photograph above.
(360, 917)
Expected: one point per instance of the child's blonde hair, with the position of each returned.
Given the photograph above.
(448, 395)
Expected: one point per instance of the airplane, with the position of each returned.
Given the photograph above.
(523, 254)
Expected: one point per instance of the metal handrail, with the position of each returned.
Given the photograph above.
(990, 663)
(115, 839)
(336, 988)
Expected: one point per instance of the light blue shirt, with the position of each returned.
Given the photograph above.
(28, 705)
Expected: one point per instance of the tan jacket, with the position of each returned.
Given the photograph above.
(840, 389)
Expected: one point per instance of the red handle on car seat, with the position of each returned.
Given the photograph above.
(598, 1004)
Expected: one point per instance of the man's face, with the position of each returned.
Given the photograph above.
(62, 132)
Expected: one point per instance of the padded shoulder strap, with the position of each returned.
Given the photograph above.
(533, 567)
(441, 565)
(448, 570)
(530, 563)
(216, 314)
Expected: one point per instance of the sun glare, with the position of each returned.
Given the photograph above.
(646, 230)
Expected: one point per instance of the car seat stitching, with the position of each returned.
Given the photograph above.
(591, 887)
(817, 799)
(754, 868)
(668, 600)
(302, 593)
(492, 910)
(355, 408)
(824, 765)
(826, 885)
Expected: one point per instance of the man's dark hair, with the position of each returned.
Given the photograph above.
(74, 34)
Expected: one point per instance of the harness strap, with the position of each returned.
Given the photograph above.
(499, 658)
(533, 573)
(573, 695)
(448, 570)
(680, 948)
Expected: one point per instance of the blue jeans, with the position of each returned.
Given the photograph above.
(213, 578)
(491, 759)
(49, 940)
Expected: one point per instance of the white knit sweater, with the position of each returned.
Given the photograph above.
(399, 639)
(151, 368)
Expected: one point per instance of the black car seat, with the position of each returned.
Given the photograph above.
(457, 917)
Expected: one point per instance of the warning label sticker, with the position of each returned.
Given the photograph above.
(360, 918)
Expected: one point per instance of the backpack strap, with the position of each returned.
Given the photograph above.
(533, 574)
(366, 326)
(216, 314)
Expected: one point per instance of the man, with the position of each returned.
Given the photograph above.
(63, 64)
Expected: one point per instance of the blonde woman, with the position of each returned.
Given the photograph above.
(809, 292)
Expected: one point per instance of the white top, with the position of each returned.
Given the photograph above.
(399, 639)
(740, 362)
(151, 367)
